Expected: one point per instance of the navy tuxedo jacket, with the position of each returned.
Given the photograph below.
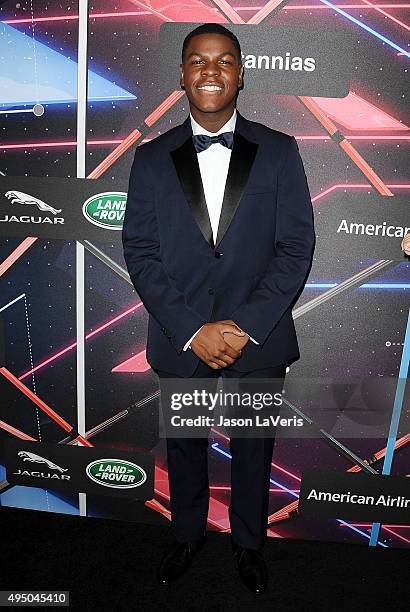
(254, 271)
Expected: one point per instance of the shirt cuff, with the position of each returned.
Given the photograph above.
(188, 344)
(250, 338)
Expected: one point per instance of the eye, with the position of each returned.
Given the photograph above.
(225, 61)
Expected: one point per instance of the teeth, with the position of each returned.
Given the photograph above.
(210, 87)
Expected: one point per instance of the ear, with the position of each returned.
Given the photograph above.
(181, 75)
(240, 77)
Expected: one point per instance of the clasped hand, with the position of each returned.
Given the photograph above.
(210, 346)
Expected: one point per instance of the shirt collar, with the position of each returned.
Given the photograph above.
(228, 127)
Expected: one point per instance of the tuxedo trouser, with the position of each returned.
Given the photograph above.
(250, 474)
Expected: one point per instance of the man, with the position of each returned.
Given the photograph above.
(218, 239)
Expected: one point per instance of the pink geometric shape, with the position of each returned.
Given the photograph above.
(18, 252)
(181, 11)
(218, 515)
(136, 363)
(356, 113)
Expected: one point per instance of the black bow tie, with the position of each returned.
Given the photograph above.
(203, 141)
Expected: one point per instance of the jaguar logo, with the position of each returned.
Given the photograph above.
(27, 456)
(19, 197)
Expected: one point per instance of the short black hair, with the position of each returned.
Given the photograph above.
(212, 28)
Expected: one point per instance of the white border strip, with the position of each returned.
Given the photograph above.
(12, 302)
(82, 73)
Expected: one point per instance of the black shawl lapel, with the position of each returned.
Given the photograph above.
(242, 158)
(187, 167)
(186, 164)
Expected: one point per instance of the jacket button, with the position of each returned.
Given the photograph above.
(218, 254)
(211, 291)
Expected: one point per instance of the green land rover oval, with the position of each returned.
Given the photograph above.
(106, 209)
(116, 473)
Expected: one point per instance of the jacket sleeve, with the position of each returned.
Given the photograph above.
(140, 238)
(294, 244)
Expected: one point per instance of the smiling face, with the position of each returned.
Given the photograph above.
(211, 74)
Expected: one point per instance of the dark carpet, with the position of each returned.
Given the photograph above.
(111, 565)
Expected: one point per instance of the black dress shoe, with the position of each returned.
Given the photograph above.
(252, 568)
(177, 560)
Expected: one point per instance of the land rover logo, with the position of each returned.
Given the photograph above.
(116, 473)
(106, 209)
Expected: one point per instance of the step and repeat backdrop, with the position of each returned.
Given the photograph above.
(79, 403)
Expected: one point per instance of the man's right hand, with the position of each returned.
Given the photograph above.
(209, 344)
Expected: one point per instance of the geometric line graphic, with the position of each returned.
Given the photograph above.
(395, 419)
(52, 80)
(362, 25)
(355, 113)
(359, 531)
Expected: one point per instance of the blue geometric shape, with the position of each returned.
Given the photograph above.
(33, 498)
(31, 74)
(395, 417)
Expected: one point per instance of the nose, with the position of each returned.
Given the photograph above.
(210, 68)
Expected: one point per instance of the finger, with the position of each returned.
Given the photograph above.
(237, 330)
(213, 365)
(221, 359)
(221, 363)
(232, 329)
(225, 351)
(230, 351)
(224, 359)
(234, 323)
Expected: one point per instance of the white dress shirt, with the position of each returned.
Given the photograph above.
(213, 165)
